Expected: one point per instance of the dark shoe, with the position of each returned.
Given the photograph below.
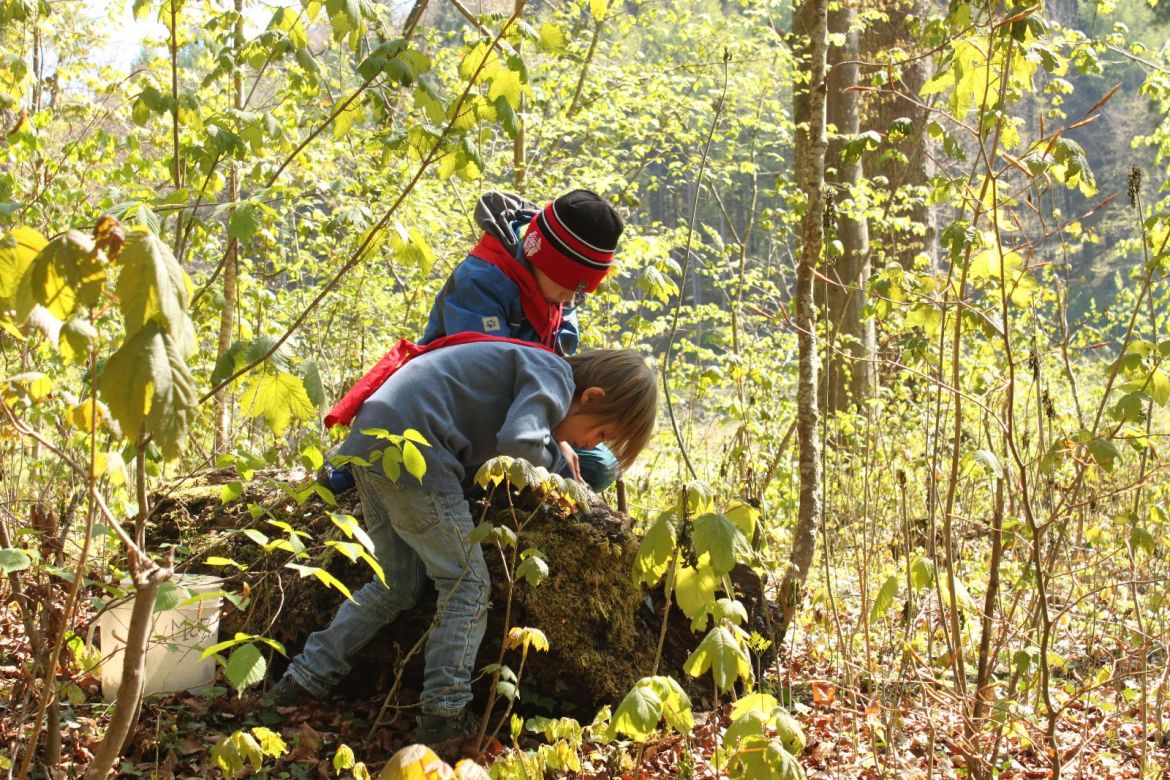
(288, 693)
(433, 729)
(338, 480)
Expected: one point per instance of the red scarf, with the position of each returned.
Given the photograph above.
(544, 316)
(403, 352)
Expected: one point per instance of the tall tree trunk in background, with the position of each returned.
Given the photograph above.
(849, 375)
(809, 40)
(897, 101)
(231, 259)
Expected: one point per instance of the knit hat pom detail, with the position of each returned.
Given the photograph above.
(573, 239)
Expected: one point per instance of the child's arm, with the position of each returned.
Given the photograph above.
(477, 298)
(541, 401)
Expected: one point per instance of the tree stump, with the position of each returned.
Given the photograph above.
(602, 629)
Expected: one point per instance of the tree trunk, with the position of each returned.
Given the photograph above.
(231, 259)
(810, 41)
(849, 353)
(133, 674)
(899, 100)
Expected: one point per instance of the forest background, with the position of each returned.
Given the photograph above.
(910, 321)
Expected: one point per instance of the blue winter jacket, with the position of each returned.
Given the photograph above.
(481, 298)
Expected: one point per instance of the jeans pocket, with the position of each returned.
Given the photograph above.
(418, 512)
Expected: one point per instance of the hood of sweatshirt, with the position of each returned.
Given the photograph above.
(497, 212)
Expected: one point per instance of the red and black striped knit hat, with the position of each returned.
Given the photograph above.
(573, 239)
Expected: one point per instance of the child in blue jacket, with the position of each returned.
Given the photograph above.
(525, 278)
(538, 406)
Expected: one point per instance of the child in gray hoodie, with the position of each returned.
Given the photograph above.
(470, 402)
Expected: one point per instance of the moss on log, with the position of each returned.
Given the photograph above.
(602, 629)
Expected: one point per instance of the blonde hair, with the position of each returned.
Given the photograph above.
(630, 400)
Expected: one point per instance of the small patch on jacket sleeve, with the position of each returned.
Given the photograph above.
(491, 324)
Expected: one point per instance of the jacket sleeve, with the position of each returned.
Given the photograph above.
(540, 401)
(477, 298)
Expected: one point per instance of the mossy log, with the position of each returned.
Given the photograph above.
(602, 629)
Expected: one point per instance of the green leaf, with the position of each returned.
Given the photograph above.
(884, 598)
(343, 759)
(146, 384)
(506, 84)
(270, 742)
(859, 144)
(76, 339)
(231, 491)
(718, 537)
(762, 703)
(722, 653)
(168, 596)
(1159, 387)
(744, 517)
(314, 389)
(676, 705)
(638, 715)
(353, 529)
(532, 570)
(322, 575)
(507, 689)
(219, 560)
(13, 560)
(244, 222)
(788, 730)
(921, 573)
(230, 362)
(412, 458)
(153, 287)
(278, 398)
(246, 666)
(730, 609)
(655, 551)
(1105, 453)
(1131, 407)
(1141, 539)
(66, 275)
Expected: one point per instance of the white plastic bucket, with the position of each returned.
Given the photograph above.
(177, 639)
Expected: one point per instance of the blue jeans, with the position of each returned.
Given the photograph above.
(416, 535)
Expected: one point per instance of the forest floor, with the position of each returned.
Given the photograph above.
(886, 734)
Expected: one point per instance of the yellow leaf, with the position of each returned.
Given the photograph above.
(277, 398)
(86, 415)
(17, 250)
(552, 38)
(467, 769)
(695, 590)
(447, 165)
(35, 385)
(599, 8)
(416, 762)
(506, 84)
(478, 62)
(348, 118)
(527, 637)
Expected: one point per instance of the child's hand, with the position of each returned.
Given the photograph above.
(571, 458)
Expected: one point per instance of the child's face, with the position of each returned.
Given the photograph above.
(584, 431)
(552, 292)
